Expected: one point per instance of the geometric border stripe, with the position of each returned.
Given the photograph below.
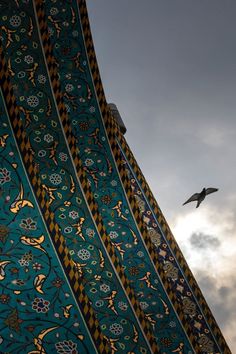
(35, 202)
(113, 128)
(184, 269)
(56, 236)
(174, 246)
(51, 63)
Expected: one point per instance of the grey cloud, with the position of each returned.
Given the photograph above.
(221, 300)
(224, 291)
(170, 66)
(171, 69)
(202, 241)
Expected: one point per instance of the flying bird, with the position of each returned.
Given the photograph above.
(199, 197)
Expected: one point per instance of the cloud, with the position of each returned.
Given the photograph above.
(208, 238)
(222, 300)
(203, 241)
(175, 93)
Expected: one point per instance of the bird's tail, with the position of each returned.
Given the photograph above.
(198, 203)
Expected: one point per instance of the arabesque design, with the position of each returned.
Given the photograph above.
(85, 266)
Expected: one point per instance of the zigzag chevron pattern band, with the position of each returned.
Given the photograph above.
(88, 263)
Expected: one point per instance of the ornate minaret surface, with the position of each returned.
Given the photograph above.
(88, 263)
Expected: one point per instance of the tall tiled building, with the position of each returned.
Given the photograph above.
(88, 263)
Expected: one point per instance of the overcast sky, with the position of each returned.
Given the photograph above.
(170, 67)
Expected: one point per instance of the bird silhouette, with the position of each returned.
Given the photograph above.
(199, 197)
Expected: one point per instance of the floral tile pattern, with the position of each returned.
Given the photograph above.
(76, 274)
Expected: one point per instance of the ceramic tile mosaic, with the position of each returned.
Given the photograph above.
(87, 261)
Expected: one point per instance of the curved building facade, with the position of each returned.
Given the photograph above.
(88, 263)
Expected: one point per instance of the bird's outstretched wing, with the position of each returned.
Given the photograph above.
(211, 190)
(192, 198)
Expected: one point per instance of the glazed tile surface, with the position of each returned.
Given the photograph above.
(85, 263)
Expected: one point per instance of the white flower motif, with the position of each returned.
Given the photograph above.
(140, 253)
(33, 101)
(90, 232)
(42, 79)
(55, 178)
(23, 262)
(15, 21)
(128, 245)
(28, 59)
(48, 138)
(84, 254)
(54, 11)
(123, 305)
(66, 347)
(40, 305)
(116, 329)
(143, 305)
(69, 87)
(172, 324)
(113, 234)
(92, 109)
(89, 162)
(73, 214)
(63, 156)
(105, 288)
